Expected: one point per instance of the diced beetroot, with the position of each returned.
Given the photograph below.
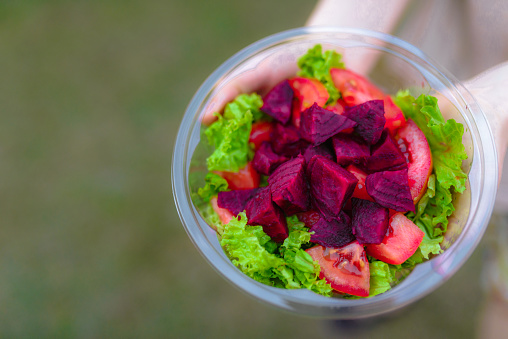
(330, 186)
(286, 140)
(236, 200)
(265, 161)
(391, 189)
(309, 218)
(288, 186)
(370, 117)
(370, 221)
(350, 150)
(386, 155)
(323, 150)
(334, 233)
(277, 103)
(318, 124)
(262, 211)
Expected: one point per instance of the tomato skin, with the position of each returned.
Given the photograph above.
(356, 89)
(306, 93)
(245, 178)
(345, 268)
(261, 131)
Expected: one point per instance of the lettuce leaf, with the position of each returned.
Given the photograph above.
(316, 64)
(214, 184)
(247, 247)
(229, 135)
(381, 277)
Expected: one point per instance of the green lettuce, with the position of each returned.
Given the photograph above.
(287, 266)
(381, 277)
(316, 65)
(214, 184)
(229, 135)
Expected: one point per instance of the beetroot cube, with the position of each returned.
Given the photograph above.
(391, 189)
(370, 221)
(370, 117)
(334, 233)
(265, 161)
(277, 103)
(350, 150)
(262, 211)
(330, 186)
(386, 155)
(318, 124)
(286, 140)
(236, 200)
(288, 185)
(322, 150)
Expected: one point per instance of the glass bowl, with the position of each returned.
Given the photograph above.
(398, 65)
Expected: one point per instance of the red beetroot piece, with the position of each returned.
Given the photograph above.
(277, 103)
(334, 233)
(391, 190)
(370, 117)
(318, 124)
(350, 150)
(401, 241)
(370, 221)
(330, 186)
(265, 160)
(386, 155)
(286, 140)
(323, 150)
(309, 218)
(288, 186)
(236, 200)
(260, 210)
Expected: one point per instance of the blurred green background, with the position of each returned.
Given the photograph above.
(91, 246)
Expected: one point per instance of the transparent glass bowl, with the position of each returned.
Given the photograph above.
(400, 66)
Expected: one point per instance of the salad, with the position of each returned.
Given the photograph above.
(327, 183)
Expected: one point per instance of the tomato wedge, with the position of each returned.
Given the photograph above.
(400, 242)
(306, 93)
(345, 268)
(225, 215)
(245, 178)
(260, 132)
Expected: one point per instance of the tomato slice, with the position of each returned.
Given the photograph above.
(345, 268)
(360, 191)
(400, 242)
(245, 178)
(225, 215)
(260, 132)
(306, 93)
(356, 89)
